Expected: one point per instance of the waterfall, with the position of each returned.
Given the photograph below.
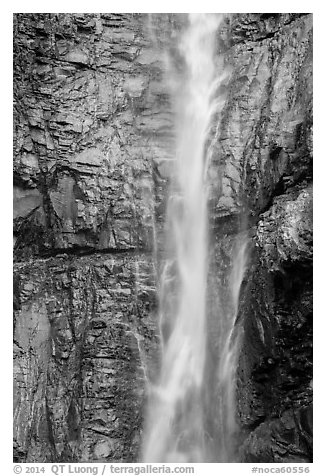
(228, 343)
(175, 429)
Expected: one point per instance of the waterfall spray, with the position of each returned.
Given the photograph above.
(175, 428)
(229, 341)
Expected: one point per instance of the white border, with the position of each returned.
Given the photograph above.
(318, 10)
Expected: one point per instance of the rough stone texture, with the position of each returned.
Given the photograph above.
(84, 330)
(90, 113)
(92, 155)
(275, 367)
(266, 136)
(264, 143)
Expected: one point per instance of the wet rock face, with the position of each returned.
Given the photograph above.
(265, 140)
(84, 330)
(90, 114)
(90, 111)
(275, 366)
(270, 102)
(92, 154)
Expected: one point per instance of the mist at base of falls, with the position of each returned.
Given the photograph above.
(191, 414)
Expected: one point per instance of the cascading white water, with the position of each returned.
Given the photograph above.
(228, 352)
(175, 429)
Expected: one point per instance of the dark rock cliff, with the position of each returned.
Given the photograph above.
(270, 113)
(91, 171)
